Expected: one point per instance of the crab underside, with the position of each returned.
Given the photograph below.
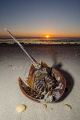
(44, 84)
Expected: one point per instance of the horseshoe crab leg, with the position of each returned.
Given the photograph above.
(33, 60)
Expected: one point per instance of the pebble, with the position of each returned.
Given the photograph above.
(67, 106)
(7, 57)
(9, 65)
(44, 106)
(20, 108)
(32, 52)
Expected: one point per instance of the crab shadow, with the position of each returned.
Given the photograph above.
(69, 81)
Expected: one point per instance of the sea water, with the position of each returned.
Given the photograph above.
(41, 40)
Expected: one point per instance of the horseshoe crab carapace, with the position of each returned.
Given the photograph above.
(44, 84)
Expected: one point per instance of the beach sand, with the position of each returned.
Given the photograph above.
(14, 64)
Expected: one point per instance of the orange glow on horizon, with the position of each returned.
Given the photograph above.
(26, 34)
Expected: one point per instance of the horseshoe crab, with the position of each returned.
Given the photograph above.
(44, 84)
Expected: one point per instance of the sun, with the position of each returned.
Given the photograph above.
(47, 36)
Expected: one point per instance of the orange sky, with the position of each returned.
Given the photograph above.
(37, 34)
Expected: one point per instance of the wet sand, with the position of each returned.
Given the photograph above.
(14, 63)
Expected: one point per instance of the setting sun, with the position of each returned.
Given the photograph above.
(47, 36)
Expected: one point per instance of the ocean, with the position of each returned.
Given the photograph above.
(41, 40)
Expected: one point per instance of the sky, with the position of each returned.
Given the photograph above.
(37, 18)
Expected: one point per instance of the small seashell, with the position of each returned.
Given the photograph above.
(58, 61)
(20, 108)
(15, 68)
(51, 108)
(67, 106)
(44, 106)
(21, 68)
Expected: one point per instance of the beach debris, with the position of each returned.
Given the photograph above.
(20, 108)
(7, 57)
(67, 106)
(44, 106)
(9, 65)
(59, 63)
(79, 54)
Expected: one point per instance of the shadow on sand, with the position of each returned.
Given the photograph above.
(69, 81)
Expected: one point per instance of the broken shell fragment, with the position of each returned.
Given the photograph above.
(67, 106)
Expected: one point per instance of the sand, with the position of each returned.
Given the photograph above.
(14, 63)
